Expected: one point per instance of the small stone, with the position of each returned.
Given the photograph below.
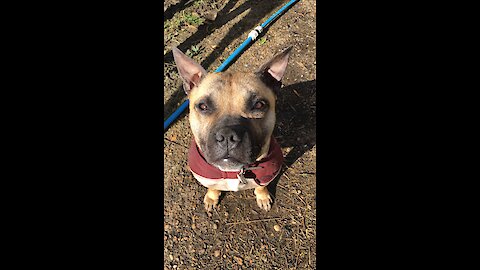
(170, 257)
(277, 228)
(211, 15)
(215, 226)
(216, 253)
(194, 226)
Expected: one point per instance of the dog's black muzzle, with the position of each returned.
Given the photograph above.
(230, 144)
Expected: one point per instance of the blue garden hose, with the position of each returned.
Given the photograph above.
(251, 37)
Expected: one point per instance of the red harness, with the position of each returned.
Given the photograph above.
(263, 171)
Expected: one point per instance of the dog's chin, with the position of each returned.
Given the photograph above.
(229, 164)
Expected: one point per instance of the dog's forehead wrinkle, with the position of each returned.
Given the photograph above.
(253, 84)
(211, 83)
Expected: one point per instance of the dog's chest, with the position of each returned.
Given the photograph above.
(226, 184)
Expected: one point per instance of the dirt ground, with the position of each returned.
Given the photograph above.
(239, 235)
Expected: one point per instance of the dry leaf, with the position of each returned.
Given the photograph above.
(238, 259)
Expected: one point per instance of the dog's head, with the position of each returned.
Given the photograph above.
(232, 114)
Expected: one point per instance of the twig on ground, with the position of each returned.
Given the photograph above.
(251, 221)
(301, 200)
(216, 212)
(309, 260)
(175, 143)
(306, 173)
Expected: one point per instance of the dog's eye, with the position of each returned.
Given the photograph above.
(259, 105)
(203, 106)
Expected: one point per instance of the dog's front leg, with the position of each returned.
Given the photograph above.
(211, 199)
(263, 198)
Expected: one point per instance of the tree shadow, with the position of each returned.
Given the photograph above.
(257, 9)
(296, 123)
(171, 10)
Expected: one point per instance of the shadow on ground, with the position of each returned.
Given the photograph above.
(171, 10)
(296, 123)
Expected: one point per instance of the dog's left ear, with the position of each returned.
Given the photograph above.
(272, 72)
(190, 71)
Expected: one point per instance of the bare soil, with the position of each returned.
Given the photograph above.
(239, 235)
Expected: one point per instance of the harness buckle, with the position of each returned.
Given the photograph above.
(241, 174)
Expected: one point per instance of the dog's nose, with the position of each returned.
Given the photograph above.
(229, 137)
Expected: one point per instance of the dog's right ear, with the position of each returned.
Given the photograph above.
(190, 72)
(271, 73)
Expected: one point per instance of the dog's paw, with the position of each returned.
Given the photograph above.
(209, 203)
(264, 201)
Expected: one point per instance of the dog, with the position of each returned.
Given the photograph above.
(232, 117)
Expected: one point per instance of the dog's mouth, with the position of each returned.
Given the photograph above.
(228, 160)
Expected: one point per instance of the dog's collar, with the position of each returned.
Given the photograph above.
(263, 171)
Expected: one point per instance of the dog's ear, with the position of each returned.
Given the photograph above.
(272, 72)
(190, 72)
